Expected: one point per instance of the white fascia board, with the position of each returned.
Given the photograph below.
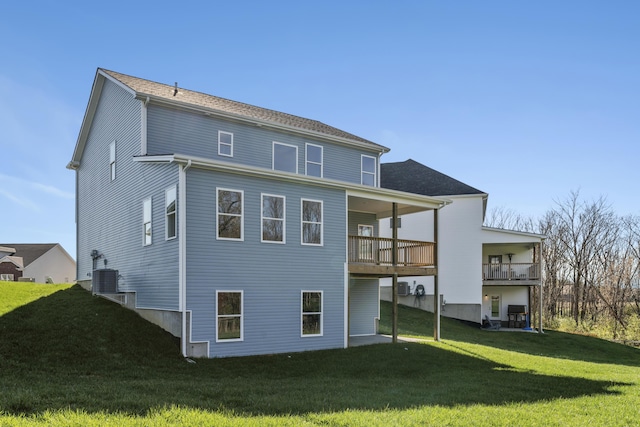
(514, 232)
(380, 149)
(357, 190)
(92, 105)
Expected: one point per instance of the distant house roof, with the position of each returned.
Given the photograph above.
(413, 177)
(146, 87)
(30, 252)
(15, 260)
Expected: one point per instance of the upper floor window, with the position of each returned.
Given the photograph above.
(273, 218)
(368, 169)
(225, 143)
(170, 212)
(229, 315)
(230, 214)
(146, 221)
(311, 222)
(112, 160)
(285, 157)
(314, 160)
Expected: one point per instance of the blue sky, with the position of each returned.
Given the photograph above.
(526, 101)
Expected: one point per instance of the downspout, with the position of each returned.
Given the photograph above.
(182, 254)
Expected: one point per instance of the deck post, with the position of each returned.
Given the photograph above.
(540, 258)
(394, 288)
(436, 291)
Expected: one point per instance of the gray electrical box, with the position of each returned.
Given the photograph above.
(104, 281)
(403, 289)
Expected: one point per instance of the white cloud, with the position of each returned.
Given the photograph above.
(26, 203)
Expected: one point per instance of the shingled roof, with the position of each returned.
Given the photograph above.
(413, 177)
(150, 88)
(30, 252)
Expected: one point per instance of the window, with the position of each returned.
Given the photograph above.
(7, 277)
(285, 157)
(273, 218)
(368, 168)
(495, 306)
(365, 247)
(170, 212)
(229, 307)
(146, 221)
(311, 222)
(225, 143)
(314, 160)
(112, 160)
(230, 214)
(311, 313)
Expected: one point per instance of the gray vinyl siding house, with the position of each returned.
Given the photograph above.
(182, 195)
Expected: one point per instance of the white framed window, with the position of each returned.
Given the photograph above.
(229, 318)
(146, 221)
(7, 277)
(285, 157)
(314, 158)
(311, 222)
(225, 143)
(311, 313)
(273, 226)
(365, 247)
(230, 214)
(170, 213)
(368, 170)
(112, 160)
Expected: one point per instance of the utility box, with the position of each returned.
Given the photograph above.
(104, 281)
(403, 289)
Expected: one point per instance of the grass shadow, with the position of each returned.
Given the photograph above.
(74, 351)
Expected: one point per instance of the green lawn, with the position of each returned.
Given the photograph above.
(67, 358)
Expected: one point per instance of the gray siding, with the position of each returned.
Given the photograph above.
(189, 133)
(363, 306)
(110, 212)
(359, 218)
(272, 276)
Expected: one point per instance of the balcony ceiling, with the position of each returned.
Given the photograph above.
(383, 208)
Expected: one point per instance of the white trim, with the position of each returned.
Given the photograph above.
(352, 189)
(182, 255)
(303, 222)
(363, 172)
(302, 313)
(241, 292)
(112, 161)
(226, 144)
(273, 156)
(143, 127)
(175, 213)
(307, 161)
(514, 232)
(146, 221)
(283, 219)
(241, 238)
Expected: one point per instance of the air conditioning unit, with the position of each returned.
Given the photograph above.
(104, 281)
(403, 289)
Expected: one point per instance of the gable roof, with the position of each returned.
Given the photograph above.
(173, 95)
(413, 177)
(30, 252)
(15, 260)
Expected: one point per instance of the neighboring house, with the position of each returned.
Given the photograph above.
(482, 271)
(38, 262)
(240, 229)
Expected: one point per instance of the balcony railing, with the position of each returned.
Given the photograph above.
(378, 250)
(513, 271)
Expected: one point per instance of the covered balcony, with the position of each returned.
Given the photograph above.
(374, 255)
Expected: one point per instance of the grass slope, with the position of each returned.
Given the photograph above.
(67, 358)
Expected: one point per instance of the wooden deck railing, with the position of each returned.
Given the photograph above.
(378, 250)
(514, 271)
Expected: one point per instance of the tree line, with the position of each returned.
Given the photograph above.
(591, 263)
